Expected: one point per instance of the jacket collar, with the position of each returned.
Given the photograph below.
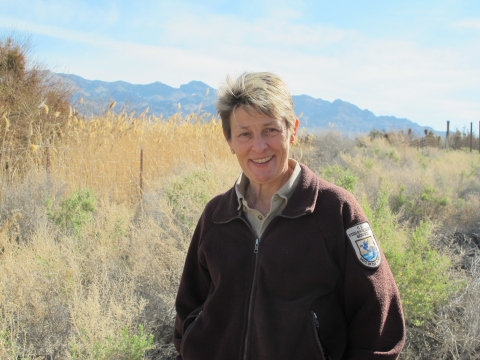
(302, 201)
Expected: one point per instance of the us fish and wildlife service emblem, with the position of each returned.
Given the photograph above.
(365, 246)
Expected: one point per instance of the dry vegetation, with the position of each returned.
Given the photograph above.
(71, 290)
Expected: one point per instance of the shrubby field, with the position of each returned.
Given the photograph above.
(90, 262)
(96, 215)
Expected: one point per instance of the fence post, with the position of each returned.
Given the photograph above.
(471, 136)
(47, 155)
(47, 165)
(141, 172)
(448, 133)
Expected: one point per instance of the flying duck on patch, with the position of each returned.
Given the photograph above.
(365, 246)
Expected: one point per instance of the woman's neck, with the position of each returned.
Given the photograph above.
(259, 196)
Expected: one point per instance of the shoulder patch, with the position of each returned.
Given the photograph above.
(364, 244)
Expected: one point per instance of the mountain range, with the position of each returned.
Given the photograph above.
(196, 96)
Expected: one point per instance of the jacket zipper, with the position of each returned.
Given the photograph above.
(324, 351)
(255, 251)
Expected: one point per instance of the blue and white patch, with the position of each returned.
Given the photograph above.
(365, 246)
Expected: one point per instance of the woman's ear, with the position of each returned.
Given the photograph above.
(294, 131)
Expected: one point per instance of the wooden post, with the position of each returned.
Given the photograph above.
(47, 165)
(448, 133)
(141, 171)
(471, 136)
(47, 155)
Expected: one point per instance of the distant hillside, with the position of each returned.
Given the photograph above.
(346, 117)
(158, 97)
(317, 114)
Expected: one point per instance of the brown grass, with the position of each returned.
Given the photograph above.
(104, 153)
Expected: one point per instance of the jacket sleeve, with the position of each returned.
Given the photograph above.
(194, 285)
(373, 311)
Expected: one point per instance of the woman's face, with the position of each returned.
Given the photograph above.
(261, 145)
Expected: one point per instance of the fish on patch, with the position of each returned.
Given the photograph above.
(364, 244)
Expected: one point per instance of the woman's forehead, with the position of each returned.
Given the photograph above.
(248, 117)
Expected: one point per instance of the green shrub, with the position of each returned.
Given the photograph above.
(401, 200)
(393, 155)
(422, 274)
(189, 194)
(133, 347)
(368, 163)
(74, 212)
(429, 195)
(341, 176)
(126, 347)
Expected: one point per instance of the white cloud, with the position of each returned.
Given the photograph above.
(216, 31)
(54, 31)
(473, 24)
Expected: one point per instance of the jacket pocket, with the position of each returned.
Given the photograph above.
(316, 327)
(187, 326)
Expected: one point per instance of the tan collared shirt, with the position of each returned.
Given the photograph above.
(279, 200)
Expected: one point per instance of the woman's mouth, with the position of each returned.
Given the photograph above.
(262, 161)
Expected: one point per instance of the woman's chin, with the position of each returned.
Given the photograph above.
(261, 178)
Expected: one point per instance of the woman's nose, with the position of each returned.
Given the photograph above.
(259, 143)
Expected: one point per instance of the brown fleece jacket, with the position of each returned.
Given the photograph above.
(300, 292)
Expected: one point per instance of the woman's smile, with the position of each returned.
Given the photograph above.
(263, 161)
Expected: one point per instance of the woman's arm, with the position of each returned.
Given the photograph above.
(193, 288)
(376, 328)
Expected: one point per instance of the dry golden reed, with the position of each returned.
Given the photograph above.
(103, 153)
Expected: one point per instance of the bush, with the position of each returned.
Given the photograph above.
(422, 274)
(189, 194)
(127, 347)
(341, 176)
(74, 212)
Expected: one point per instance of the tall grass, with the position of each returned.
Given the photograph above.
(104, 153)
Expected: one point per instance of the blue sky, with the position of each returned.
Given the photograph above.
(414, 59)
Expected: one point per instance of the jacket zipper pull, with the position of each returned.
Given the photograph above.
(316, 320)
(326, 354)
(256, 246)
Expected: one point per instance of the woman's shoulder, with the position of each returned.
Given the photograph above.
(222, 203)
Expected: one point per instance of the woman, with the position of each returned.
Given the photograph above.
(284, 265)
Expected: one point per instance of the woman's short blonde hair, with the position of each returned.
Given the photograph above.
(262, 92)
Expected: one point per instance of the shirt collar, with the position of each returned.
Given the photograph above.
(285, 191)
